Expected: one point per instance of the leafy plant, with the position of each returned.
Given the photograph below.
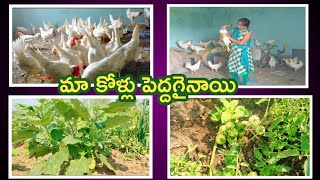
(287, 136)
(181, 166)
(73, 133)
(277, 139)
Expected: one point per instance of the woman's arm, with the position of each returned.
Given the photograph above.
(244, 40)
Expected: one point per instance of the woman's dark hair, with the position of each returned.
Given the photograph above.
(245, 21)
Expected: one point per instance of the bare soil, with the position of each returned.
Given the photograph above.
(21, 163)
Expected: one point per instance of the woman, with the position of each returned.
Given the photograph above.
(240, 61)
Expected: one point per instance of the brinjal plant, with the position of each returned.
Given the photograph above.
(74, 134)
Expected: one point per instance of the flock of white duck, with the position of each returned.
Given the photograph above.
(80, 50)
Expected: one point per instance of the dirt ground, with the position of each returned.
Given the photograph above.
(190, 124)
(141, 67)
(21, 163)
(281, 75)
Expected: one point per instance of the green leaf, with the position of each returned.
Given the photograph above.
(105, 162)
(289, 152)
(277, 144)
(78, 166)
(273, 158)
(72, 114)
(80, 108)
(52, 167)
(233, 104)
(260, 164)
(33, 121)
(215, 116)
(306, 167)
(240, 111)
(70, 140)
(305, 143)
(118, 106)
(231, 160)
(299, 120)
(40, 151)
(56, 134)
(275, 122)
(22, 135)
(262, 100)
(116, 120)
(226, 103)
(62, 107)
(37, 169)
(267, 170)
(258, 154)
(282, 168)
(225, 117)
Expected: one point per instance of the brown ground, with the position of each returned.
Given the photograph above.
(21, 163)
(141, 67)
(190, 124)
(282, 75)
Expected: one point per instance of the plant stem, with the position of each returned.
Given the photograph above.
(266, 112)
(212, 158)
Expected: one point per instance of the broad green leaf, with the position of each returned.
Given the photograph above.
(260, 164)
(37, 169)
(22, 135)
(289, 152)
(40, 151)
(225, 102)
(240, 111)
(267, 170)
(233, 104)
(62, 107)
(56, 134)
(306, 167)
(40, 122)
(72, 114)
(275, 122)
(80, 108)
(105, 162)
(282, 168)
(52, 167)
(116, 120)
(262, 100)
(215, 116)
(305, 143)
(78, 167)
(74, 149)
(70, 140)
(225, 117)
(118, 106)
(258, 154)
